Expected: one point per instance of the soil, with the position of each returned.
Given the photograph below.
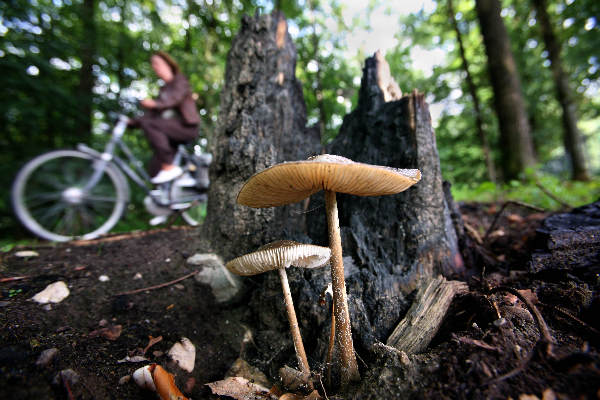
(469, 358)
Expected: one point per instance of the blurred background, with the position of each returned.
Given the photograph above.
(67, 66)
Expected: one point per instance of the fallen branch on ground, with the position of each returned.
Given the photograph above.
(162, 285)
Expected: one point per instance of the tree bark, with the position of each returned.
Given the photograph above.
(473, 92)
(571, 135)
(390, 243)
(262, 121)
(86, 75)
(516, 144)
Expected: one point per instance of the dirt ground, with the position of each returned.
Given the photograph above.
(469, 358)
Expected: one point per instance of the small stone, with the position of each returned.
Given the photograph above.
(124, 379)
(179, 286)
(137, 276)
(224, 285)
(46, 357)
(103, 323)
(53, 293)
(184, 354)
(168, 260)
(26, 253)
(103, 278)
(66, 374)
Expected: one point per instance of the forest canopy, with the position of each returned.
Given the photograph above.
(68, 66)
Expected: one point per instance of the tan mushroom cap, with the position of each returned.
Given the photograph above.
(290, 182)
(280, 254)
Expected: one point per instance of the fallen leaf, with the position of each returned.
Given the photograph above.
(151, 342)
(165, 384)
(548, 394)
(111, 332)
(314, 395)
(53, 293)
(475, 342)
(240, 389)
(133, 359)
(242, 369)
(184, 354)
(26, 253)
(46, 357)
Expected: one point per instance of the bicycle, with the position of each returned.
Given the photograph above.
(81, 194)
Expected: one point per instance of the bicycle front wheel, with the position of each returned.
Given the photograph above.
(50, 197)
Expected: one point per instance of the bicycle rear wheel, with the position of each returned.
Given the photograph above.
(49, 196)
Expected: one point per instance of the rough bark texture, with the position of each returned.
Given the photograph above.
(569, 240)
(515, 133)
(571, 136)
(416, 330)
(390, 242)
(261, 122)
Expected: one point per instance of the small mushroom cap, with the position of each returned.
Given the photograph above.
(290, 182)
(280, 254)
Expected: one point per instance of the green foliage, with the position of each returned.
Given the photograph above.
(528, 191)
(458, 145)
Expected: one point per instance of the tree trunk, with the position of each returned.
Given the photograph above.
(571, 136)
(515, 134)
(319, 78)
(86, 75)
(262, 122)
(473, 92)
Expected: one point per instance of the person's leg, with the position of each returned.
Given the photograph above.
(156, 133)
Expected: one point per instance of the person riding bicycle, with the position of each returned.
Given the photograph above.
(169, 120)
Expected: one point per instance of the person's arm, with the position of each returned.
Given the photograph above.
(174, 95)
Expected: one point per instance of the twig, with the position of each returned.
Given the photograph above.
(574, 318)
(13, 278)
(551, 195)
(162, 285)
(506, 204)
(545, 336)
(323, 387)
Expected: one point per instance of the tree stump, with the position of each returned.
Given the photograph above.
(395, 241)
(262, 121)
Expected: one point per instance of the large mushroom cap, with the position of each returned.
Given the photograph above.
(280, 254)
(290, 182)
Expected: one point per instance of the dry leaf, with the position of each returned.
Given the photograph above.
(151, 342)
(242, 369)
(184, 354)
(314, 395)
(111, 332)
(165, 384)
(133, 359)
(240, 389)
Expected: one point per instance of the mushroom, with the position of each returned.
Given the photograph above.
(290, 182)
(279, 255)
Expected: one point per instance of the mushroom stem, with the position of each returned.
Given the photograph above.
(349, 367)
(291, 313)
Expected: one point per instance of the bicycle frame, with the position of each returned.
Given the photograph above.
(137, 174)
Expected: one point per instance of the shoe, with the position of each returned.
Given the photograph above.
(180, 206)
(185, 180)
(161, 219)
(166, 175)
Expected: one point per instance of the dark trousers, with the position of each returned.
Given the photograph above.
(164, 136)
